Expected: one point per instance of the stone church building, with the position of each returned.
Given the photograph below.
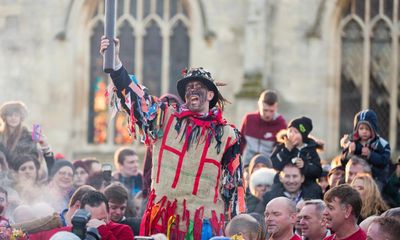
(327, 59)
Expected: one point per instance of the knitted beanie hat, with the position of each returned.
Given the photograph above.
(259, 158)
(58, 164)
(303, 124)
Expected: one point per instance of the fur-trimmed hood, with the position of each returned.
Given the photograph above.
(261, 176)
(281, 137)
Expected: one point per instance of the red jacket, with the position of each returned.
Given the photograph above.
(115, 231)
(258, 135)
(359, 235)
(111, 231)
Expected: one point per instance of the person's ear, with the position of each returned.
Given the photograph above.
(281, 177)
(77, 204)
(293, 218)
(347, 211)
(210, 95)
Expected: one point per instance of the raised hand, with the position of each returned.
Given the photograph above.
(352, 147)
(104, 43)
(299, 163)
(365, 152)
(95, 223)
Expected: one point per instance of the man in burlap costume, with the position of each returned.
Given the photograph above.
(196, 169)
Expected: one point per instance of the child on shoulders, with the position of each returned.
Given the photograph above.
(366, 143)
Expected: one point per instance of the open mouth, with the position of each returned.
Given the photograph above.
(65, 182)
(194, 97)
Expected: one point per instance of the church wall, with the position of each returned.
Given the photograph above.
(50, 74)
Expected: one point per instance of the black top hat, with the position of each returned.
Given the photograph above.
(199, 74)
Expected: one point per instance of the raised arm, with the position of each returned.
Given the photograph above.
(127, 94)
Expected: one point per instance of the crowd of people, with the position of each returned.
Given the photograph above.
(200, 178)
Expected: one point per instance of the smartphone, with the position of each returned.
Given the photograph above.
(36, 132)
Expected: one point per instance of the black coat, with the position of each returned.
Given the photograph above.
(251, 201)
(277, 190)
(312, 169)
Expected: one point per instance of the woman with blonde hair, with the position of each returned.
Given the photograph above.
(17, 140)
(372, 201)
(13, 135)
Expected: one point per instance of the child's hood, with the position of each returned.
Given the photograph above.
(368, 117)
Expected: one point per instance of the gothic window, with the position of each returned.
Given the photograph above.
(351, 75)
(179, 56)
(155, 45)
(369, 74)
(98, 82)
(152, 51)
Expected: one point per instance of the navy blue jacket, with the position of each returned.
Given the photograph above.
(312, 169)
(379, 157)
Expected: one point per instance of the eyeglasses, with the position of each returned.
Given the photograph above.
(65, 174)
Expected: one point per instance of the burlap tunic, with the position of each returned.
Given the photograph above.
(195, 159)
(193, 174)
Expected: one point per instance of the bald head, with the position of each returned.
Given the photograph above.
(280, 217)
(283, 203)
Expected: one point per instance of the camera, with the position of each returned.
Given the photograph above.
(79, 221)
(106, 170)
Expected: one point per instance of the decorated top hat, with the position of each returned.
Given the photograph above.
(202, 75)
